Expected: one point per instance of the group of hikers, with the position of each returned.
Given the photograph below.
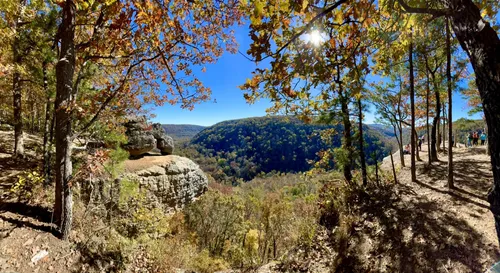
(472, 139)
(407, 150)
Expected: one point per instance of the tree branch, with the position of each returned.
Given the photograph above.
(114, 94)
(306, 28)
(433, 12)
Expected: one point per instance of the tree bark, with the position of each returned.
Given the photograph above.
(450, 123)
(361, 144)
(17, 94)
(427, 95)
(401, 146)
(412, 106)
(347, 138)
(444, 127)
(417, 154)
(435, 123)
(64, 98)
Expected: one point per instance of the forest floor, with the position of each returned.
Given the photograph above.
(26, 229)
(427, 228)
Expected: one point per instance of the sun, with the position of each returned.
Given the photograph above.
(315, 37)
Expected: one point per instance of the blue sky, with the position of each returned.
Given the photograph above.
(224, 77)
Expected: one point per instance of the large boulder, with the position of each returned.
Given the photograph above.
(164, 143)
(144, 138)
(170, 181)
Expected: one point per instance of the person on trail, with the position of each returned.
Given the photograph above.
(483, 138)
(423, 138)
(406, 150)
(453, 140)
(475, 138)
(469, 140)
(420, 144)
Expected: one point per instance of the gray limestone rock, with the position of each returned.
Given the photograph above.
(170, 181)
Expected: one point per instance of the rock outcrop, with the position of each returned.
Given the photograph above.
(170, 181)
(164, 143)
(144, 138)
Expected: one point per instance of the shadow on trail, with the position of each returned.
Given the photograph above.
(37, 212)
(471, 177)
(25, 223)
(419, 235)
(20, 213)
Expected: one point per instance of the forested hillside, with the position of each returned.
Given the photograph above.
(245, 148)
(182, 131)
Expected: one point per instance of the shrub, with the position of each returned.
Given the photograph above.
(28, 184)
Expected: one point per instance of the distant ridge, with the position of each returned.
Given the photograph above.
(182, 131)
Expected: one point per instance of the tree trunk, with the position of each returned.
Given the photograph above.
(361, 144)
(347, 135)
(17, 96)
(46, 128)
(64, 74)
(427, 95)
(481, 43)
(401, 146)
(412, 105)
(417, 154)
(444, 127)
(347, 138)
(450, 123)
(393, 169)
(435, 124)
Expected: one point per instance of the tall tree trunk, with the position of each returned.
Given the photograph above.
(444, 127)
(417, 154)
(401, 147)
(427, 95)
(17, 95)
(481, 43)
(450, 120)
(46, 128)
(346, 135)
(32, 113)
(361, 144)
(347, 138)
(435, 123)
(412, 105)
(64, 74)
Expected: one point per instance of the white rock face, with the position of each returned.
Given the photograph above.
(171, 180)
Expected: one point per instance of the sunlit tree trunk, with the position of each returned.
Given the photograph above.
(427, 95)
(361, 144)
(412, 106)
(450, 120)
(64, 74)
(17, 93)
(444, 127)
